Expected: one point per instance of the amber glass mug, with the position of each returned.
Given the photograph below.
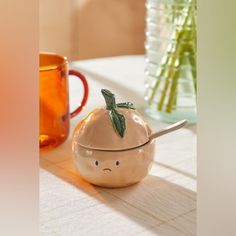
(54, 99)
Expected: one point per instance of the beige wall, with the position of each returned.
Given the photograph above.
(55, 26)
(92, 28)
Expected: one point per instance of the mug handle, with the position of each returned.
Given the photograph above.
(86, 91)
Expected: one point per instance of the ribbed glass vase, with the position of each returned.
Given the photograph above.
(171, 60)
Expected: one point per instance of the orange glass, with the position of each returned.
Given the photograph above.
(54, 100)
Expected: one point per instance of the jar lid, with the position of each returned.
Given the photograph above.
(96, 131)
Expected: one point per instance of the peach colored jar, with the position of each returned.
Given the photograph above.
(104, 158)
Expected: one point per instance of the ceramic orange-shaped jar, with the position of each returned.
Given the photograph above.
(111, 146)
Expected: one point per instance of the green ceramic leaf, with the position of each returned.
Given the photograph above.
(118, 121)
(109, 99)
(127, 105)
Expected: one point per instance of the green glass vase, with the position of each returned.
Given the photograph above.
(171, 83)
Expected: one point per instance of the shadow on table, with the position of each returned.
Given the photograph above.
(150, 203)
(193, 128)
(176, 170)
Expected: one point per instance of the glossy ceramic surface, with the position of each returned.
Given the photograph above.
(96, 131)
(113, 168)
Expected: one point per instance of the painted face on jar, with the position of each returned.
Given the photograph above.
(109, 168)
(118, 168)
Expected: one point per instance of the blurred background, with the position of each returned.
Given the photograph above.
(83, 29)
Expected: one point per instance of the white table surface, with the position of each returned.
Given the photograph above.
(164, 203)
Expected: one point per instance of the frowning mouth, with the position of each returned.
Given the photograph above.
(106, 169)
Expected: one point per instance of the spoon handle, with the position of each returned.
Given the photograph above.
(168, 129)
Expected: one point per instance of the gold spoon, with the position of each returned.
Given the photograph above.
(168, 129)
(164, 131)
